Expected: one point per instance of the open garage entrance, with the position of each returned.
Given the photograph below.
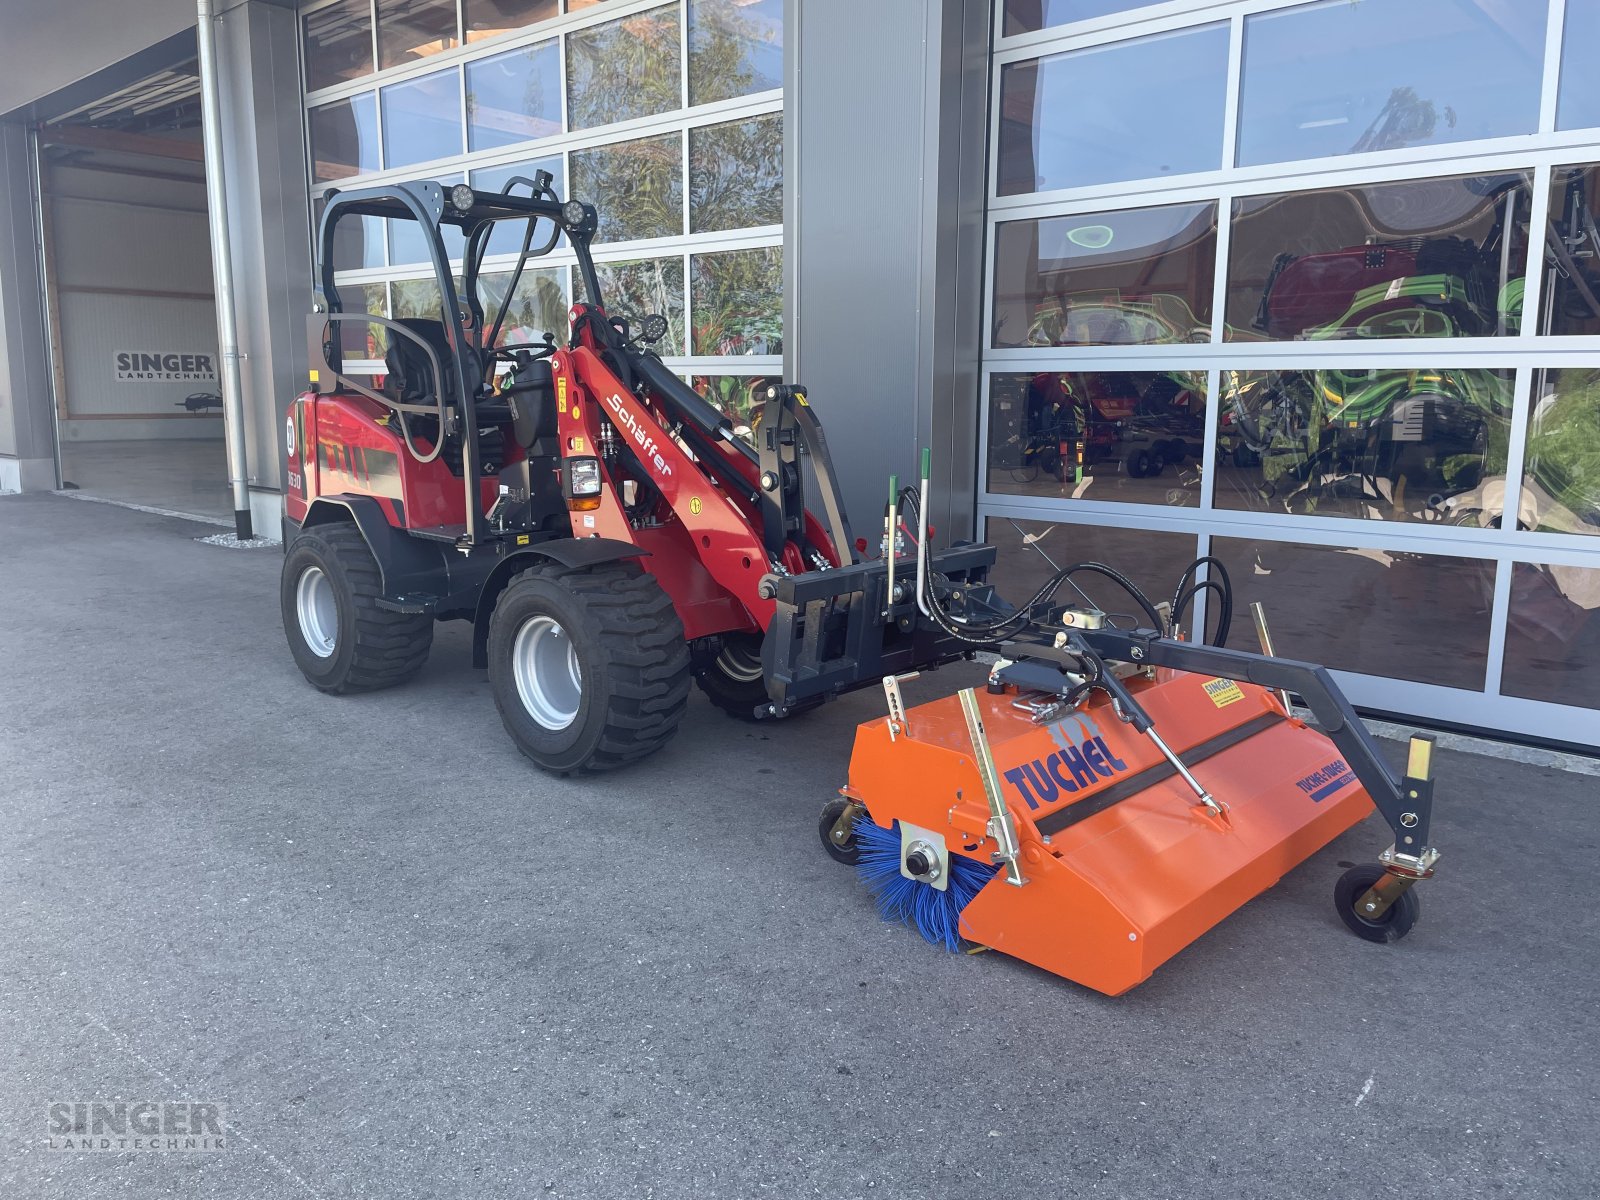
(127, 270)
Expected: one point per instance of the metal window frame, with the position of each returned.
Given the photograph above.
(1526, 354)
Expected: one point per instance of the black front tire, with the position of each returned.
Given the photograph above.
(728, 670)
(632, 664)
(1395, 923)
(372, 647)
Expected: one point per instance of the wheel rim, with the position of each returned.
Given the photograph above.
(544, 663)
(318, 612)
(740, 661)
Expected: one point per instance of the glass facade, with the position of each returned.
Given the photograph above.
(690, 197)
(1317, 295)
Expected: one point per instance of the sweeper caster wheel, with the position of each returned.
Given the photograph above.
(1393, 925)
(588, 666)
(844, 850)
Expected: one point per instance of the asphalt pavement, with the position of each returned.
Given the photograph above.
(401, 962)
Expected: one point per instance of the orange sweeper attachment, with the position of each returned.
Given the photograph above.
(1112, 794)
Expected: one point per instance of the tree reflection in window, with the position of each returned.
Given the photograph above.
(624, 69)
(735, 48)
(634, 289)
(736, 175)
(738, 302)
(637, 186)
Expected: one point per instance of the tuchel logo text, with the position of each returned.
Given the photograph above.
(123, 1125)
(1083, 760)
(1322, 783)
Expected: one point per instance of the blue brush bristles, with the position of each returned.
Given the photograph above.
(934, 914)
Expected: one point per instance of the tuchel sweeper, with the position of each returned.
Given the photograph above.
(1112, 794)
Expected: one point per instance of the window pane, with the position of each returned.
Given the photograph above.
(1341, 78)
(1561, 473)
(514, 97)
(1571, 303)
(635, 289)
(1422, 617)
(736, 175)
(1578, 103)
(1138, 276)
(1024, 16)
(507, 235)
(738, 301)
(637, 186)
(357, 243)
(539, 306)
(344, 138)
(1071, 120)
(1397, 444)
(1029, 553)
(735, 48)
(1427, 258)
(623, 69)
(739, 397)
(408, 242)
(416, 298)
(1553, 635)
(489, 18)
(358, 340)
(422, 119)
(338, 43)
(1137, 437)
(412, 30)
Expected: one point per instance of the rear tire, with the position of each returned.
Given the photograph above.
(341, 640)
(589, 666)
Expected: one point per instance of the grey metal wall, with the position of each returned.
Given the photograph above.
(27, 435)
(883, 177)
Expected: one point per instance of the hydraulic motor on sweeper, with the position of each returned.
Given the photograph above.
(607, 535)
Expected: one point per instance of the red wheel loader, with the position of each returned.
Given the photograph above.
(610, 538)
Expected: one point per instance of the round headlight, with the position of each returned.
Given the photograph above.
(462, 197)
(572, 214)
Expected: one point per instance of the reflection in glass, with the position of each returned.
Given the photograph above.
(409, 244)
(1395, 444)
(738, 397)
(1340, 78)
(539, 306)
(736, 174)
(1571, 303)
(1024, 16)
(1071, 120)
(1030, 552)
(735, 48)
(1578, 103)
(738, 301)
(637, 186)
(416, 298)
(357, 340)
(1423, 258)
(422, 119)
(1135, 277)
(344, 138)
(412, 30)
(507, 236)
(514, 97)
(633, 290)
(1137, 437)
(1553, 635)
(623, 69)
(357, 243)
(1561, 466)
(489, 18)
(338, 43)
(1421, 617)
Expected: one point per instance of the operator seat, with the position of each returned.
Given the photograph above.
(410, 374)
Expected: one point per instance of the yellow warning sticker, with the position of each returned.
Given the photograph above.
(561, 393)
(522, 539)
(315, 375)
(694, 505)
(1222, 692)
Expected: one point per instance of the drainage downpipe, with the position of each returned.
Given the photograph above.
(222, 271)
